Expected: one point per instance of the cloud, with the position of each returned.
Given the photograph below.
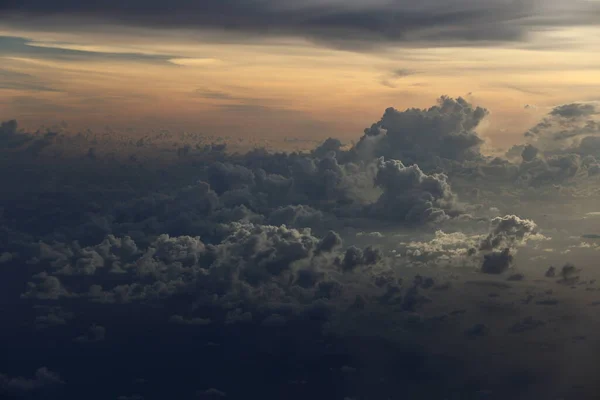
(566, 128)
(14, 80)
(574, 110)
(178, 319)
(5, 257)
(42, 379)
(211, 393)
(357, 26)
(529, 153)
(341, 242)
(400, 73)
(45, 287)
(497, 262)
(12, 46)
(28, 105)
(444, 248)
(132, 397)
(390, 81)
(215, 95)
(96, 333)
(55, 316)
(508, 231)
(494, 250)
(409, 195)
(194, 62)
(424, 136)
(477, 330)
(251, 258)
(591, 236)
(526, 324)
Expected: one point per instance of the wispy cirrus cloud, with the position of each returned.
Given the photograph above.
(14, 46)
(14, 80)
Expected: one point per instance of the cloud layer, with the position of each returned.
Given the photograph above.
(363, 270)
(356, 24)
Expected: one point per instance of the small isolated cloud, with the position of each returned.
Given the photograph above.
(43, 378)
(179, 320)
(497, 262)
(96, 333)
(477, 331)
(5, 257)
(211, 393)
(195, 62)
(391, 80)
(131, 397)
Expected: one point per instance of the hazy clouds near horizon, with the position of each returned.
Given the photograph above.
(318, 69)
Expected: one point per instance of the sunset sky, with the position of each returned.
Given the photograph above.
(280, 68)
(299, 199)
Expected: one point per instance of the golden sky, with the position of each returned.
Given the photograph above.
(274, 87)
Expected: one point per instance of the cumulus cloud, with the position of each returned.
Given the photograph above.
(569, 274)
(425, 136)
(54, 316)
(254, 263)
(45, 287)
(444, 248)
(409, 195)
(509, 231)
(529, 153)
(506, 235)
(574, 110)
(565, 128)
(250, 245)
(494, 250)
(497, 262)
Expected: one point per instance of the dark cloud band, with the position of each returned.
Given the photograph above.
(359, 25)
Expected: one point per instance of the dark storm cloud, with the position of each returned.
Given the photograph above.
(357, 25)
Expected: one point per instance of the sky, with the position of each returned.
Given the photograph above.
(332, 200)
(323, 68)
